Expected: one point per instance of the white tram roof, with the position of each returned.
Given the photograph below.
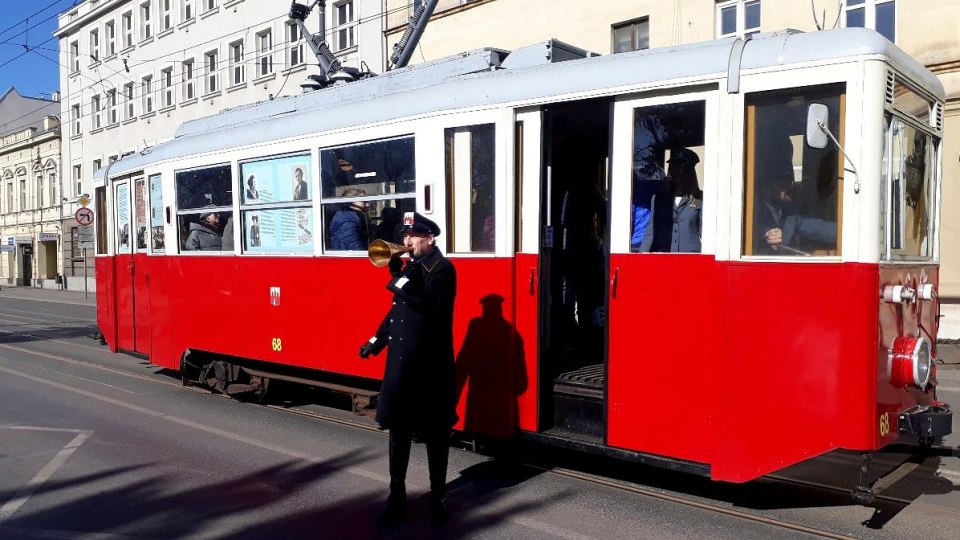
(488, 77)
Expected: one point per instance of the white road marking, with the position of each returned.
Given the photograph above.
(44, 474)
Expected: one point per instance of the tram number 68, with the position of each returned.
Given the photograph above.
(276, 344)
(884, 424)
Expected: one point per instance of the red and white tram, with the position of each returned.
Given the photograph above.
(580, 319)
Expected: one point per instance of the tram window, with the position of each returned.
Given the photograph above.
(470, 165)
(156, 215)
(667, 190)
(793, 192)
(365, 189)
(140, 213)
(204, 201)
(909, 179)
(100, 202)
(275, 207)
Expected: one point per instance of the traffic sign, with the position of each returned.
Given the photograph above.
(85, 240)
(84, 216)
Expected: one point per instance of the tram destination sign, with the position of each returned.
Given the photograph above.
(84, 216)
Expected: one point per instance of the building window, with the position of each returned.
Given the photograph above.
(74, 57)
(112, 107)
(631, 36)
(10, 196)
(23, 194)
(186, 72)
(879, 15)
(739, 18)
(146, 92)
(238, 74)
(75, 117)
(209, 5)
(95, 112)
(146, 30)
(129, 111)
(264, 53)
(167, 20)
(187, 10)
(52, 186)
(344, 31)
(294, 46)
(94, 46)
(77, 180)
(110, 32)
(39, 200)
(127, 21)
(212, 77)
(166, 87)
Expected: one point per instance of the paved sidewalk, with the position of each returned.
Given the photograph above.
(48, 295)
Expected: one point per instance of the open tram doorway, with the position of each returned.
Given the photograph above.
(573, 268)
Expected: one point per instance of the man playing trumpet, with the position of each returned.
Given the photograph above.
(418, 396)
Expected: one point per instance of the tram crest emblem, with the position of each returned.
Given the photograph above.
(274, 296)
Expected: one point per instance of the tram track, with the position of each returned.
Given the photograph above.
(560, 471)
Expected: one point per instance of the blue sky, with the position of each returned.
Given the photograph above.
(34, 72)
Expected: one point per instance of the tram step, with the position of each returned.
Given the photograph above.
(587, 382)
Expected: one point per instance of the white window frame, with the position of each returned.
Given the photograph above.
(741, 9)
(77, 180)
(166, 87)
(94, 45)
(264, 53)
(112, 107)
(869, 8)
(129, 102)
(294, 46)
(209, 5)
(74, 57)
(166, 19)
(127, 22)
(344, 31)
(110, 32)
(188, 77)
(146, 22)
(38, 176)
(211, 77)
(95, 108)
(75, 116)
(188, 13)
(146, 94)
(22, 177)
(52, 185)
(238, 71)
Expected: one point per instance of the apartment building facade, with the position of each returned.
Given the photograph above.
(133, 70)
(30, 227)
(926, 30)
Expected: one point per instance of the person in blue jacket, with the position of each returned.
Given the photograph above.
(350, 227)
(781, 229)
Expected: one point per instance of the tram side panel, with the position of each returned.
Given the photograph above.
(798, 377)
(666, 351)
(162, 314)
(493, 371)
(123, 284)
(206, 304)
(526, 285)
(106, 300)
(141, 303)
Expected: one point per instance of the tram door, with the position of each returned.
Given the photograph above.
(139, 234)
(126, 332)
(573, 257)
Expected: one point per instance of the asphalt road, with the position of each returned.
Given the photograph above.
(97, 445)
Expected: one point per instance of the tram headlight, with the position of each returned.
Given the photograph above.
(911, 361)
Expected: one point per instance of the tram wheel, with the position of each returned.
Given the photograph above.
(261, 386)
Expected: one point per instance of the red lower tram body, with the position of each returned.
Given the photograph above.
(735, 368)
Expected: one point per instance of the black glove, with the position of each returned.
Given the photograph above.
(395, 266)
(366, 350)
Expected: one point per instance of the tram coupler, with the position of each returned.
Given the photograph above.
(928, 422)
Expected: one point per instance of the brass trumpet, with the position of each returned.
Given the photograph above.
(380, 252)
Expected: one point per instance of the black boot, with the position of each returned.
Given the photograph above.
(396, 508)
(437, 454)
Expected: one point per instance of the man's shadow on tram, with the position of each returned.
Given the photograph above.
(491, 370)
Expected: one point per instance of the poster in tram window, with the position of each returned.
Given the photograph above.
(123, 218)
(276, 180)
(288, 230)
(156, 215)
(140, 214)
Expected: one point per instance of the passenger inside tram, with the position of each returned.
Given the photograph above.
(687, 202)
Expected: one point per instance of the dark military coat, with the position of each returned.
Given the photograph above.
(418, 392)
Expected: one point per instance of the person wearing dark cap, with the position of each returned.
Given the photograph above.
(687, 202)
(205, 234)
(418, 395)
